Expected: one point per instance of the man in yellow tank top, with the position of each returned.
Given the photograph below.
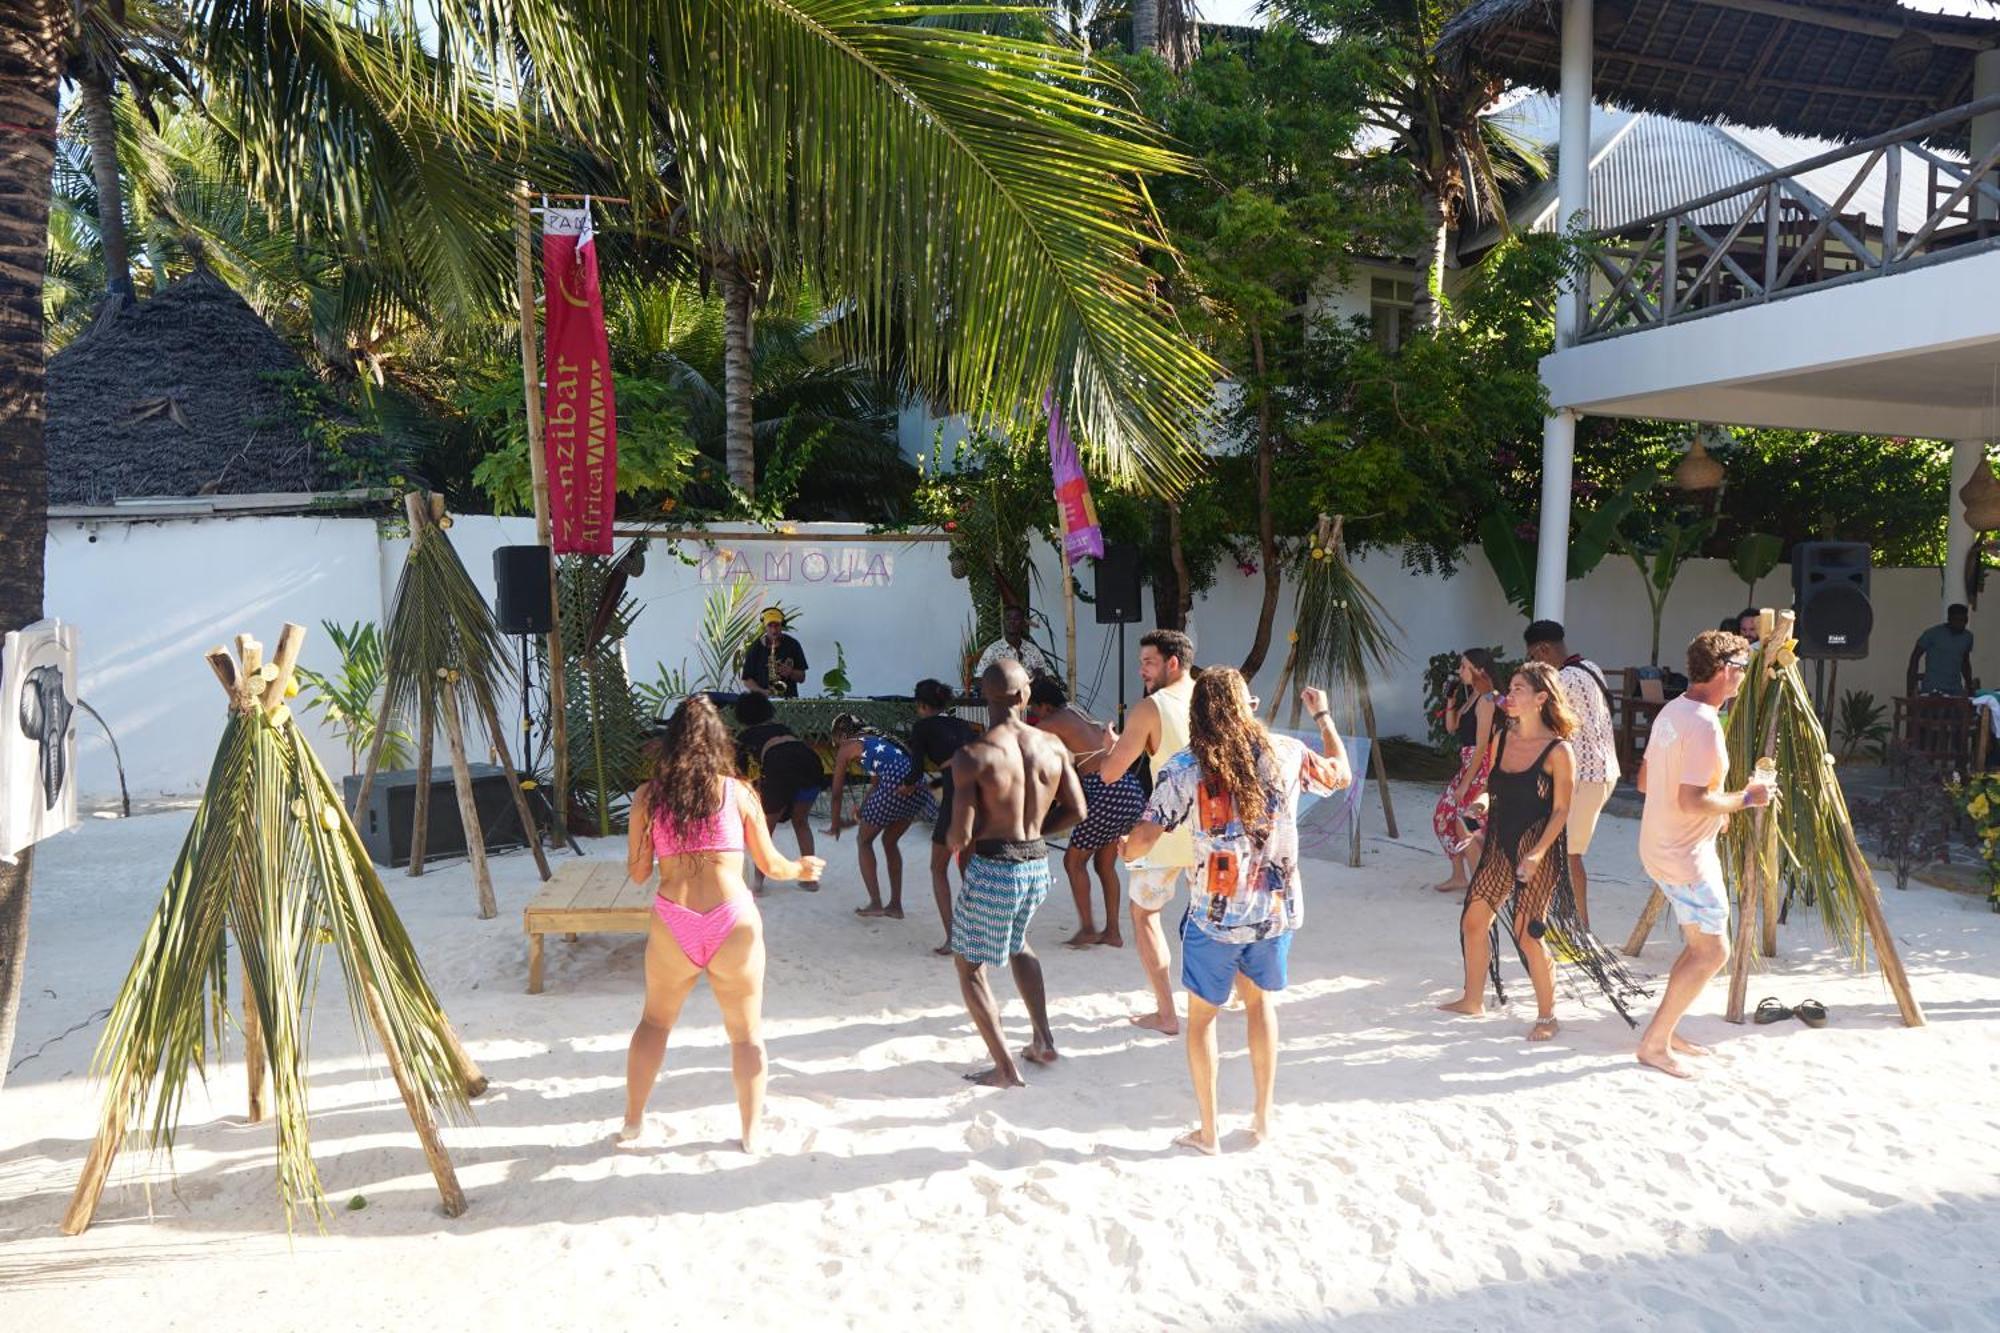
(1157, 727)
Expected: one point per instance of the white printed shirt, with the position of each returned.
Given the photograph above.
(1596, 749)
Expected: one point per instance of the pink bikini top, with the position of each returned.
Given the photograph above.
(720, 832)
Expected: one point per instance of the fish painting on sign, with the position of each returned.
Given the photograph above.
(37, 734)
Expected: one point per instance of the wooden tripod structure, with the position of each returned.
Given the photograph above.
(272, 859)
(1804, 776)
(1328, 565)
(446, 668)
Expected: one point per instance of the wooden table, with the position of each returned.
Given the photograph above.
(592, 895)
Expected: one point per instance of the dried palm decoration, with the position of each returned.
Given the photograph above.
(273, 862)
(1805, 836)
(442, 652)
(1340, 632)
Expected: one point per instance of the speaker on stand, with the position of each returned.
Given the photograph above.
(522, 608)
(1830, 593)
(1118, 600)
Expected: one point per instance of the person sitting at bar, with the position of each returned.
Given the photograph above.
(1946, 653)
(775, 663)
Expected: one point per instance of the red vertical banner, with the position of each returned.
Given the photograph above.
(579, 414)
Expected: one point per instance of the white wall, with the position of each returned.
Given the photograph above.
(151, 598)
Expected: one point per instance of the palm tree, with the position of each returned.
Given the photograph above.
(1435, 117)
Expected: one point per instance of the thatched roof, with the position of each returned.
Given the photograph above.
(174, 396)
(1833, 69)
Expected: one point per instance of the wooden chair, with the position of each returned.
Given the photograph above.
(1943, 728)
(1632, 717)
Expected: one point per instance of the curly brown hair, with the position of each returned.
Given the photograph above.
(1230, 745)
(693, 750)
(1556, 713)
(1709, 650)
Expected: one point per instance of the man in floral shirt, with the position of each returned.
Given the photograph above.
(1238, 787)
(1596, 750)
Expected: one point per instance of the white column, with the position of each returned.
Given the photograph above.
(1552, 540)
(1572, 210)
(1986, 128)
(1573, 154)
(1958, 534)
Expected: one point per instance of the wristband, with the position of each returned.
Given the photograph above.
(1324, 712)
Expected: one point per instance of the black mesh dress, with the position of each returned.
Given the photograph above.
(1518, 809)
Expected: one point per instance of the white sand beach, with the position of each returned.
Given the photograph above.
(1432, 1172)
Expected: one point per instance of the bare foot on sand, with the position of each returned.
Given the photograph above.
(1471, 1007)
(1544, 1029)
(1260, 1131)
(1682, 1046)
(1167, 1023)
(1083, 938)
(753, 1141)
(943, 950)
(997, 1077)
(1193, 1139)
(893, 913)
(1663, 1062)
(1111, 939)
(873, 909)
(1038, 1054)
(1449, 886)
(630, 1132)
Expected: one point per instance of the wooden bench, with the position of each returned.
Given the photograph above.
(593, 896)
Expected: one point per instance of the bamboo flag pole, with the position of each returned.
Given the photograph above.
(1069, 618)
(531, 385)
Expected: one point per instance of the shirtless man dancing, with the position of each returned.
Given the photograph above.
(1005, 784)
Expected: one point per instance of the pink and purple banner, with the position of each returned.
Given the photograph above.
(1081, 535)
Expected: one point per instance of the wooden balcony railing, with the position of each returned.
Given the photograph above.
(1771, 237)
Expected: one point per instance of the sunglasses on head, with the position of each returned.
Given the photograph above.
(1740, 662)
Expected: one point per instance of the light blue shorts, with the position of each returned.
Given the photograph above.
(1701, 904)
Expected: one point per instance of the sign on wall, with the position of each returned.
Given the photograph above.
(830, 566)
(37, 734)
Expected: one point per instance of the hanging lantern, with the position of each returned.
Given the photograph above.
(1910, 54)
(1697, 471)
(1981, 497)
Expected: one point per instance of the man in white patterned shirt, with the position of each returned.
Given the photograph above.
(1589, 697)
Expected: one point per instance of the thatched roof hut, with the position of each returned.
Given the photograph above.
(1834, 69)
(180, 395)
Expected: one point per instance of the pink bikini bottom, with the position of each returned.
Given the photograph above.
(700, 934)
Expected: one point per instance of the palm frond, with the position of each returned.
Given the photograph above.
(1344, 632)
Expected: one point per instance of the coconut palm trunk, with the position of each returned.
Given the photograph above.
(97, 88)
(739, 444)
(1145, 25)
(29, 37)
(1428, 310)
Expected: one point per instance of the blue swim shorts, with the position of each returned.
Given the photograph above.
(1701, 904)
(1209, 966)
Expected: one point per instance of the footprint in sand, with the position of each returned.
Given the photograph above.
(1416, 1198)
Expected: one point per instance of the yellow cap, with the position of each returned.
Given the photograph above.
(773, 616)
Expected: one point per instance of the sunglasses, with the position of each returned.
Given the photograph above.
(1740, 663)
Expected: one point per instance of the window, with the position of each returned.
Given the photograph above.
(1391, 310)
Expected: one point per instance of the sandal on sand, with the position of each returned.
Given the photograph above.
(1771, 1010)
(1812, 1013)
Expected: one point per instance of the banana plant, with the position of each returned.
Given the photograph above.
(1756, 555)
(1659, 557)
(1509, 542)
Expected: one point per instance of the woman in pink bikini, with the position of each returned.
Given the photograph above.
(696, 819)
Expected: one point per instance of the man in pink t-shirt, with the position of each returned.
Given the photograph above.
(1685, 765)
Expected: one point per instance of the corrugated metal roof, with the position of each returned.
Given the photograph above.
(1827, 183)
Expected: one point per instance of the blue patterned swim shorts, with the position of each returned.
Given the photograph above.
(989, 923)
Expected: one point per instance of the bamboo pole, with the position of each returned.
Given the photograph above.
(1069, 618)
(1878, 929)
(1750, 892)
(374, 754)
(527, 817)
(420, 815)
(97, 1166)
(253, 1044)
(419, 1111)
(468, 812)
(470, 1076)
(1656, 903)
(1376, 757)
(539, 477)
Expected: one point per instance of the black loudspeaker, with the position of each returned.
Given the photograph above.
(1830, 591)
(390, 815)
(1118, 585)
(521, 575)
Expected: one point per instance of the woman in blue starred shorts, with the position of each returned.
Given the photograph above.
(891, 804)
